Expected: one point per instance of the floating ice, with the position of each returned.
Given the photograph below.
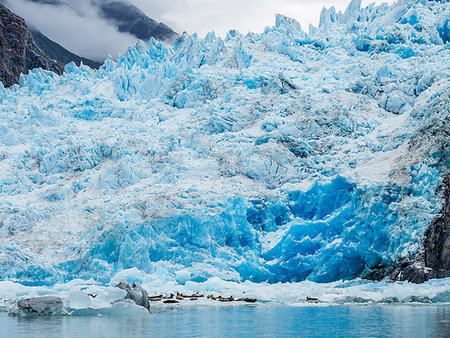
(291, 294)
(78, 300)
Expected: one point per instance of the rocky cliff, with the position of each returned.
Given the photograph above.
(437, 240)
(19, 53)
(435, 260)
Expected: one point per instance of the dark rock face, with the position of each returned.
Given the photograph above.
(437, 239)
(18, 51)
(435, 262)
(136, 293)
(59, 53)
(43, 306)
(130, 19)
(415, 272)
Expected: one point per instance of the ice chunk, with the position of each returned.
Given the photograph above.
(136, 293)
(40, 306)
(328, 16)
(79, 300)
(352, 11)
(443, 29)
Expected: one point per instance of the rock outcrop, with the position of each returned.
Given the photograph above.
(435, 260)
(136, 293)
(437, 240)
(19, 53)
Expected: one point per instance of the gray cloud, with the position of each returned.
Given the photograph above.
(81, 31)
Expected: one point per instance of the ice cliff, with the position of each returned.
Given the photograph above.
(279, 156)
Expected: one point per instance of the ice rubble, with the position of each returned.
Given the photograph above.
(87, 298)
(277, 157)
(74, 298)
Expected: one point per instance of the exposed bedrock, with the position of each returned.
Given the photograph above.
(435, 260)
(18, 51)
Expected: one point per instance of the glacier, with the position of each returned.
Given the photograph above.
(282, 156)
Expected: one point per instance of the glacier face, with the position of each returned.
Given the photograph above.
(280, 156)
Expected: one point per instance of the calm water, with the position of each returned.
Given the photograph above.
(260, 321)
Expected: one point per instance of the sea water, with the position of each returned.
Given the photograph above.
(246, 321)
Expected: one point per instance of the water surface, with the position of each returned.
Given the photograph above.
(257, 321)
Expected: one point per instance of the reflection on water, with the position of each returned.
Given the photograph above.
(267, 321)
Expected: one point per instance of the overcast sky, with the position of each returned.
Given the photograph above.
(89, 36)
(202, 16)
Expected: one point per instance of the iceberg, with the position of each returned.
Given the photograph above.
(259, 158)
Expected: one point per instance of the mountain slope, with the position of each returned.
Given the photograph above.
(278, 157)
(130, 19)
(19, 52)
(124, 15)
(59, 53)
